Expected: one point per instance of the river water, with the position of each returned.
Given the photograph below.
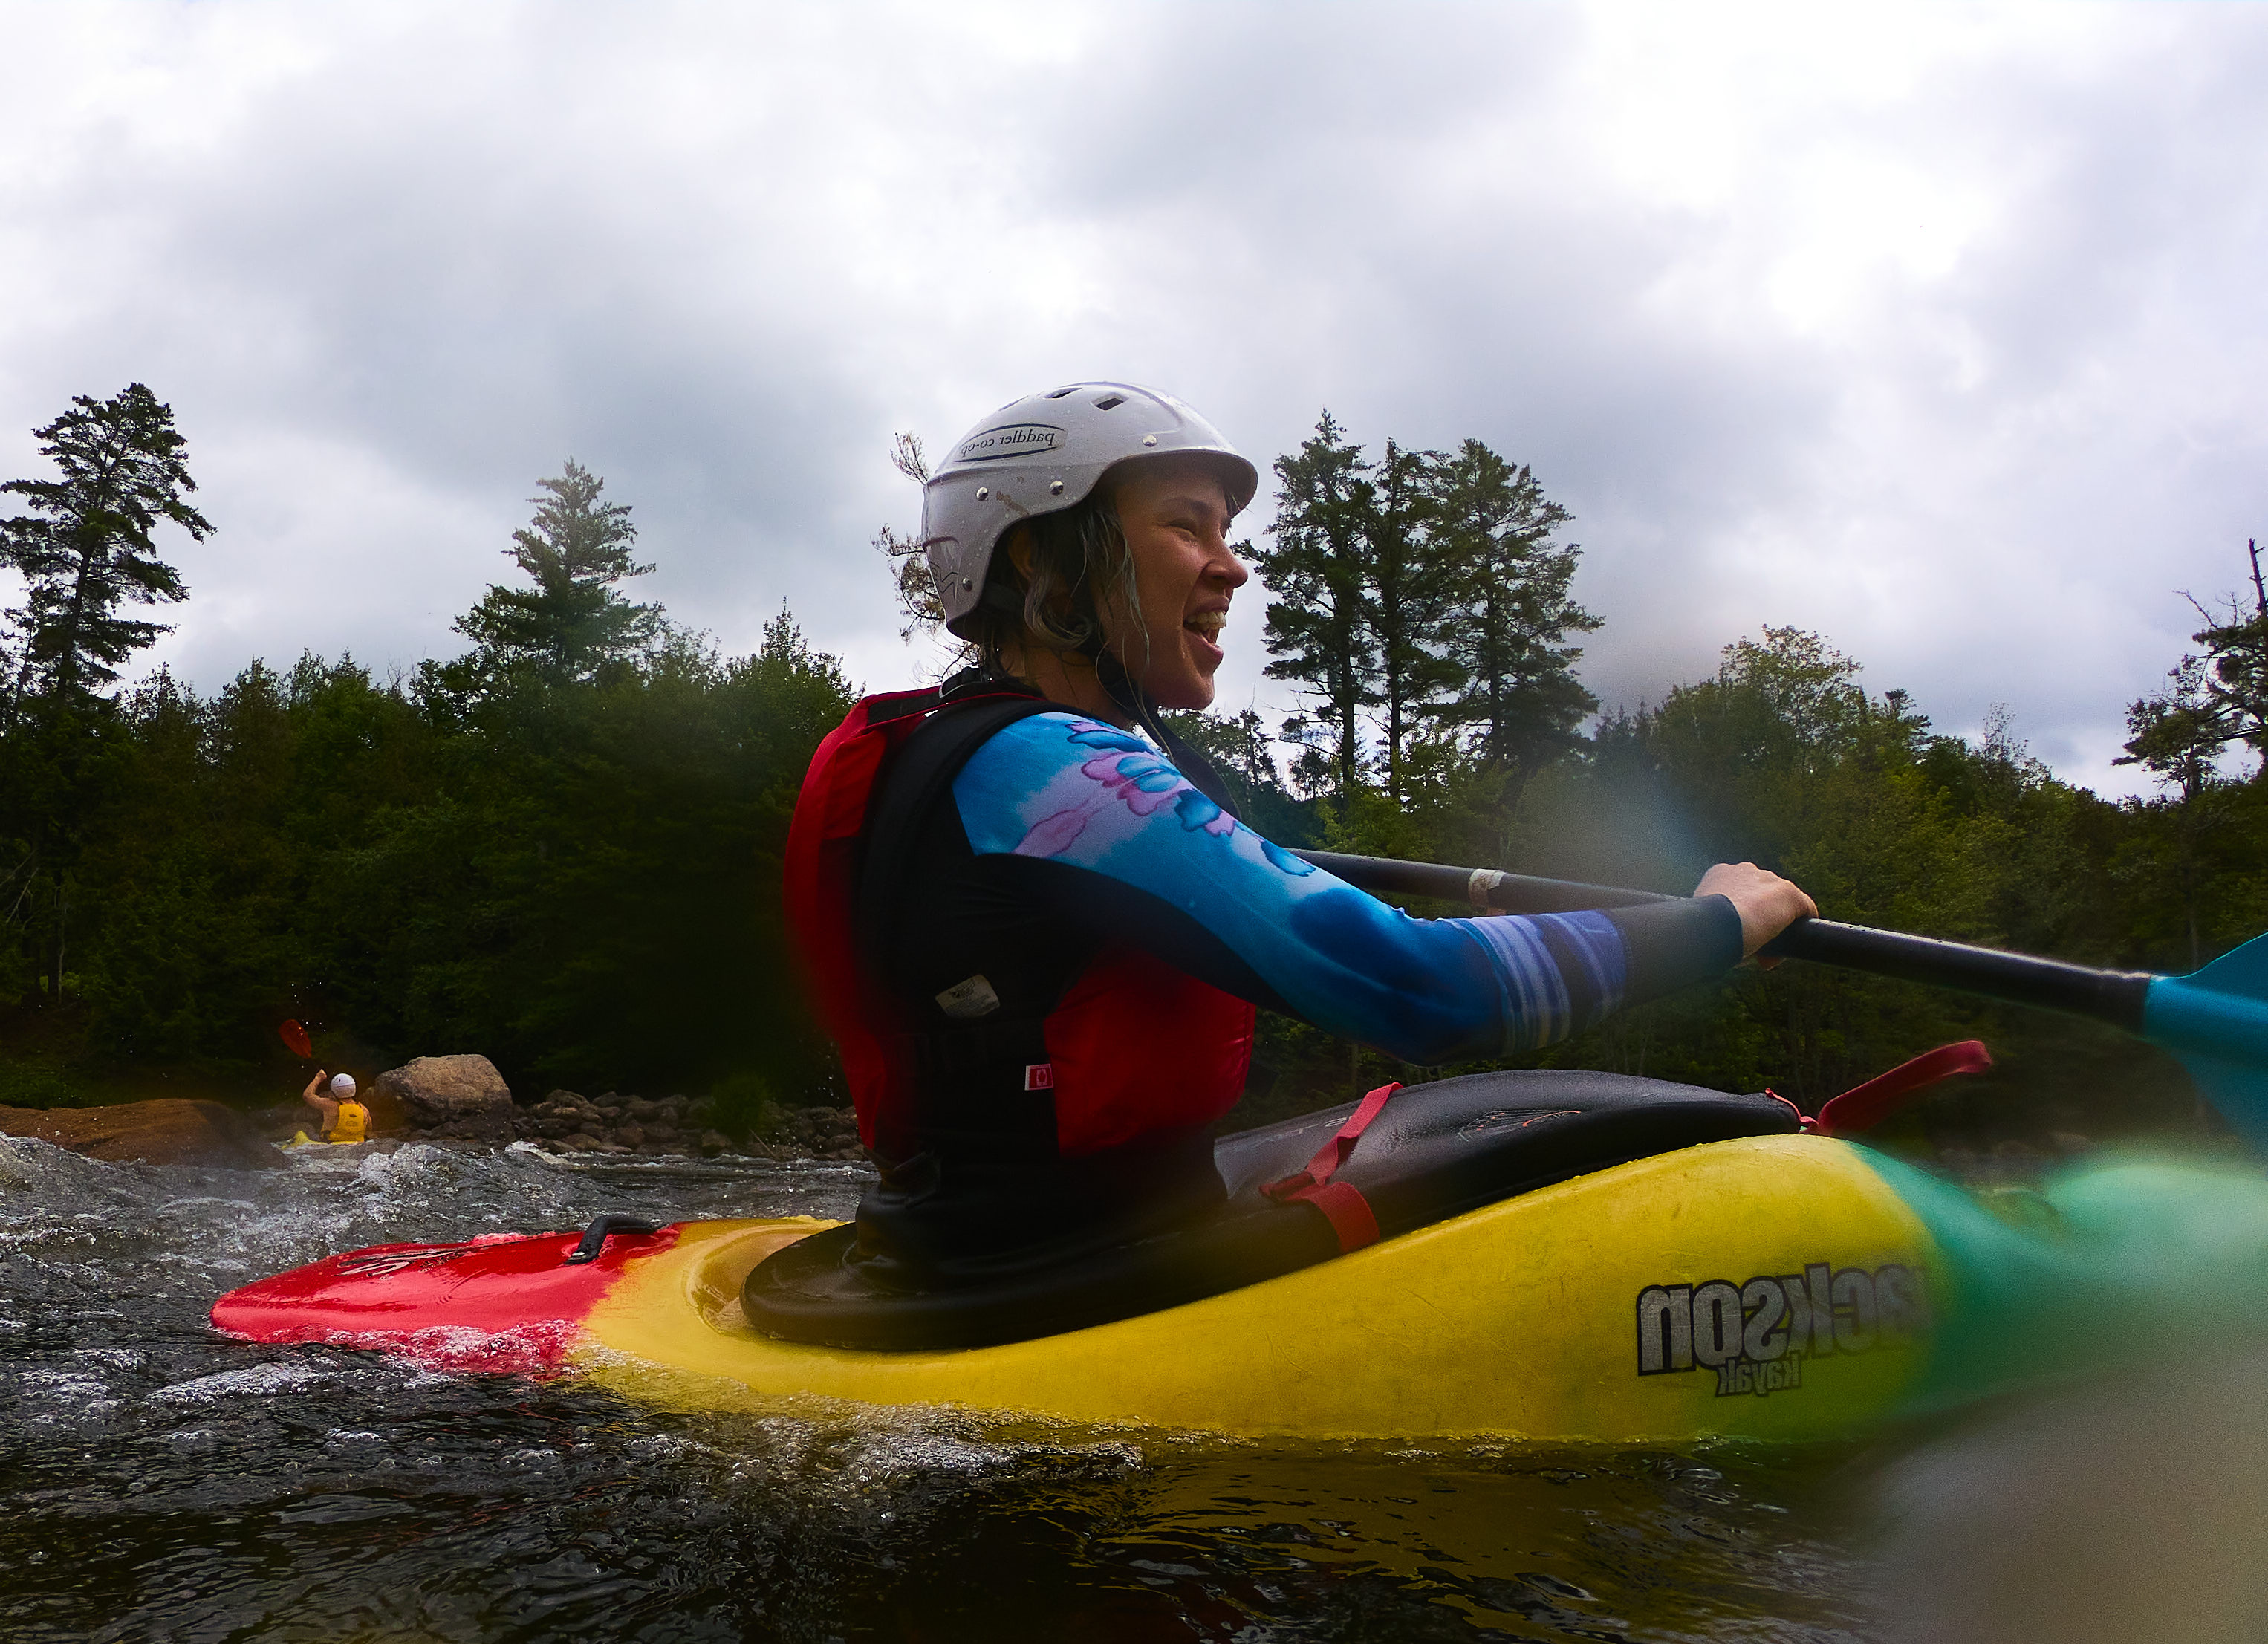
(162, 1482)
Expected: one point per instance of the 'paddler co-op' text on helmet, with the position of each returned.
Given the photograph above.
(1045, 453)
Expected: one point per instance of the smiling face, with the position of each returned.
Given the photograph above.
(1175, 514)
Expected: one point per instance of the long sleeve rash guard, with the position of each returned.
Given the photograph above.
(1077, 833)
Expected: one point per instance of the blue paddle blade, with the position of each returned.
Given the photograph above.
(2241, 971)
(2238, 1092)
(2216, 1020)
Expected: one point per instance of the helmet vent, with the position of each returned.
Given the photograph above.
(1059, 393)
(1111, 402)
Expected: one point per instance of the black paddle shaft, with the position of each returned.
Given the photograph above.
(2111, 996)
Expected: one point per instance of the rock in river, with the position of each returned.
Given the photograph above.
(452, 1096)
(168, 1131)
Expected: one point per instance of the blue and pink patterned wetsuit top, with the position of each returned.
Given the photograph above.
(1108, 806)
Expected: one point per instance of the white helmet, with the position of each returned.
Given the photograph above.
(343, 1085)
(1043, 454)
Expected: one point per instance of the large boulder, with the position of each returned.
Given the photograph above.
(451, 1095)
(168, 1131)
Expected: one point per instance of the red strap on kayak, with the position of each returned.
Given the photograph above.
(1341, 1203)
(1865, 1106)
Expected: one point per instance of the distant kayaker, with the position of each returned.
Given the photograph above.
(345, 1118)
(1060, 928)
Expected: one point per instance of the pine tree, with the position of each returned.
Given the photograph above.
(2210, 701)
(1409, 596)
(573, 621)
(1507, 631)
(1318, 577)
(84, 548)
(2179, 734)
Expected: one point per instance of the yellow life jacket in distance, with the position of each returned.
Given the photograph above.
(353, 1123)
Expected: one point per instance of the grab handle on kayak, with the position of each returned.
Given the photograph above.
(595, 1235)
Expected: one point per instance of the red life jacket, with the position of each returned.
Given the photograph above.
(1132, 1046)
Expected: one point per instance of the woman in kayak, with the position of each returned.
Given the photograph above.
(1061, 921)
(345, 1118)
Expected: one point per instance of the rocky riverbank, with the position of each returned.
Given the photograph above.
(617, 1124)
(462, 1098)
(438, 1098)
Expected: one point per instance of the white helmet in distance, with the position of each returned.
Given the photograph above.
(1043, 454)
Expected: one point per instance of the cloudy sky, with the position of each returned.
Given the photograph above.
(1941, 331)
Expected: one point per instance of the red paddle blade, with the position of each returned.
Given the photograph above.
(296, 1036)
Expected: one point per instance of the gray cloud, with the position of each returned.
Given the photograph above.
(1938, 330)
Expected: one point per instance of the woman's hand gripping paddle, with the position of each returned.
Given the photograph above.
(2215, 1021)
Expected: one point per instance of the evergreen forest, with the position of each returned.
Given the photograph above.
(561, 848)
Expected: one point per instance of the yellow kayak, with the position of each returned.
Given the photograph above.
(1567, 1313)
(1776, 1286)
(1529, 1317)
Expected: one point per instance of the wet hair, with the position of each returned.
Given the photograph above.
(1077, 554)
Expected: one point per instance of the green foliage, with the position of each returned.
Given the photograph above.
(573, 621)
(2197, 846)
(1423, 595)
(565, 850)
(1318, 576)
(1411, 601)
(580, 882)
(1423, 604)
(2213, 700)
(37, 1084)
(1506, 639)
(574, 871)
(745, 1104)
(1785, 759)
(84, 548)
